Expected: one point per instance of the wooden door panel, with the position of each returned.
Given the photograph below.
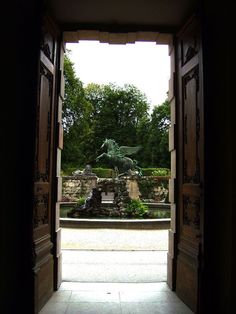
(42, 186)
(190, 126)
(191, 190)
(42, 190)
(44, 171)
(190, 163)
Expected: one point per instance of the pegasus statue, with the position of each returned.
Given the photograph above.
(116, 156)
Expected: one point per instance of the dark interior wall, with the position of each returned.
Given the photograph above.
(21, 40)
(217, 283)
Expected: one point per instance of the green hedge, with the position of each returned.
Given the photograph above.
(103, 172)
(68, 171)
(109, 173)
(155, 172)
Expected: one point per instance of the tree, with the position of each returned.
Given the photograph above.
(74, 95)
(143, 130)
(157, 143)
(117, 112)
(75, 118)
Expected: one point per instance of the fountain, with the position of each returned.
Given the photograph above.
(121, 189)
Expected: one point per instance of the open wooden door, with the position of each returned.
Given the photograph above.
(190, 172)
(45, 189)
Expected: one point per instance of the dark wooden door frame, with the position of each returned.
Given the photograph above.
(174, 150)
(190, 163)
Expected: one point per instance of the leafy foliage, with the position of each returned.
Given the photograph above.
(80, 202)
(157, 142)
(136, 209)
(104, 172)
(156, 172)
(74, 104)
(76, 119)
(117, 111)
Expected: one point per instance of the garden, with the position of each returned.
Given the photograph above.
(112, 130)
(141, 197)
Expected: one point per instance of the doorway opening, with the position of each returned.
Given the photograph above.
(104, 245)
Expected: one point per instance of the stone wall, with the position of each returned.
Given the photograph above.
(75, 187)
(148, 188)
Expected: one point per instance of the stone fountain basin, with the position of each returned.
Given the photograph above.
(124, 223)
(115, 223)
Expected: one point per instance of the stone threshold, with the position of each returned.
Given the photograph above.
(115, 223)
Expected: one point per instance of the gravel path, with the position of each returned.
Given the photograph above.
(114, 239)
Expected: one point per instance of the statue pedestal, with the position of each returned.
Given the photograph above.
(133, 189)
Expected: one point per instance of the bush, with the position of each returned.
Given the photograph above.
(136, 209)
(67, 170)
(103, 172)
(155, 172)
(161, 172)
(109, 173)
(81, 201)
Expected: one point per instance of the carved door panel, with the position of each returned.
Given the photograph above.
(44, 172)
(190, 163)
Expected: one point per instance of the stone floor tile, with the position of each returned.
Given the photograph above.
(93, 308)
(61, 296)
(154, 308)
(68, 285)
(150, 286)
(139, 308)
(148, 296)
(94, 296)
(54, 308)
(114, 286)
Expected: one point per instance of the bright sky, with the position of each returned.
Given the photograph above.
(143, 64)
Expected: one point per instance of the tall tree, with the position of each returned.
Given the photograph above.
(76, 118)
(74, 95)
(117, 112)
(157, 143)
(143, 130)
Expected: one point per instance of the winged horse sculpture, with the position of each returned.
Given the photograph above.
(116, 156)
